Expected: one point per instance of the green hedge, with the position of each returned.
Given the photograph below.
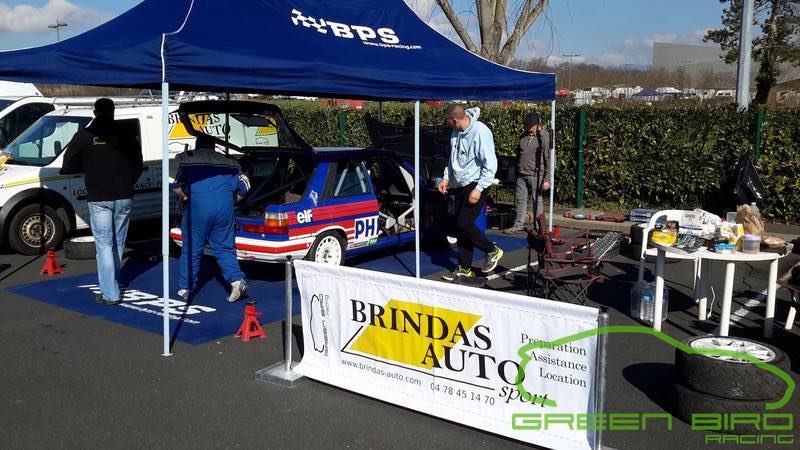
(635, 156)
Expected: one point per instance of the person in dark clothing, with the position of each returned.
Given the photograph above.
(533, 170)
(209, 183)
(111, 160)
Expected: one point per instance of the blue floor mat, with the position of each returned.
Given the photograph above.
(208, 315)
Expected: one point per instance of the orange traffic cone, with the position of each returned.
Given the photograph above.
(250, 327)
(51, 265)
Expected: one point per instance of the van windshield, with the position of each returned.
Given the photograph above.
(4, 103)
(40, 144)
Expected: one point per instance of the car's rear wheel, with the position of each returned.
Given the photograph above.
(34, 229)
(328, 248)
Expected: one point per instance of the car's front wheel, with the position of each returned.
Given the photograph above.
(328, 248)
(34, 229)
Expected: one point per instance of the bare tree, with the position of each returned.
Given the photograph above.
(494, 17)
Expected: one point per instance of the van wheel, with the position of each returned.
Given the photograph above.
(82, 247)
(328, 248)
(34, 229)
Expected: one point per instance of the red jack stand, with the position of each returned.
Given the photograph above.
(51, 265)
(250, 327)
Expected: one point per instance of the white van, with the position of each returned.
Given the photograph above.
(18, 113)
(20, 108)
(39, 206)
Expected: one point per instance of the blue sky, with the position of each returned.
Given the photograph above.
(607, 32)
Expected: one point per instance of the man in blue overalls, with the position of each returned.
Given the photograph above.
(209, 183)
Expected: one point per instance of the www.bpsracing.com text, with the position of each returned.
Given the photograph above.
(381, 372)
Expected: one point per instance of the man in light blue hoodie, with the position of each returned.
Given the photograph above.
(468, 174)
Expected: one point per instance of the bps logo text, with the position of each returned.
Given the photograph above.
(381, 37)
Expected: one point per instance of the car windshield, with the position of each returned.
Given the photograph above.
(4, 103)
(246, 130)
(40, 144)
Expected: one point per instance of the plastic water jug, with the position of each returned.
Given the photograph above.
(647, 303)
(636, 300)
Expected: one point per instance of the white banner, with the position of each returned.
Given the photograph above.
(450, 351)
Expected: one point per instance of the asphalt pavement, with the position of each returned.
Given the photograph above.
(68, 380)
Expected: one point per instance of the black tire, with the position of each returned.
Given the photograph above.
(312, 252)
(689, 401)
(637, 234)
(80, 248)
(731, 379)
(24, 231)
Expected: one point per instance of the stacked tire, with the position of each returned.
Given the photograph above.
(81, 247)
(708, 384)
(637, 239)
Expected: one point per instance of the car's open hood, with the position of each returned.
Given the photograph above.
(433, 141)
(248, 126)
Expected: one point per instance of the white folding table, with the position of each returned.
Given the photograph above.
(730, 260)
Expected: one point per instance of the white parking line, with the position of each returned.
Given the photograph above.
(740, 313)
(513, 269)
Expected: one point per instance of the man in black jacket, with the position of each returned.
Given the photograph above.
(533, 170)
(111, 160)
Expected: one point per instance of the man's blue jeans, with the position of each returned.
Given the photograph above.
(110, 228)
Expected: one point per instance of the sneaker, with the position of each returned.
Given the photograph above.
(238, 289)
(459, 272)
(100, 300)
(183, 294)
(492, 259)
(513, 229)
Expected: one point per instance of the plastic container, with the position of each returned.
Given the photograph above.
(751, 243)
(636, 293)
(663, 237)
(725, 248)
(647, 299)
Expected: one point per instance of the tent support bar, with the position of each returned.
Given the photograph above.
(417, 187)
(281, 372)
(165, 211)
(552, 162)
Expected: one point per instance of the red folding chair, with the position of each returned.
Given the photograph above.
(566, 268)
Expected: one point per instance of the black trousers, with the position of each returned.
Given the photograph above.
(469, 236)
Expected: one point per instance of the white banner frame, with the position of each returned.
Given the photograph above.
(590, 318)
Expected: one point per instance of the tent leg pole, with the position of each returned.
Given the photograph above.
(281, 372)
(165, 211)
(287, 354)
(417, 186)
(552, 162)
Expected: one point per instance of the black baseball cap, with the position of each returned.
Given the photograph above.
(532, 119)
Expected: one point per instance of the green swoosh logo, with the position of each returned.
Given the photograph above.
(524, 353)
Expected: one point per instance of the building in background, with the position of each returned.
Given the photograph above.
(694, 59)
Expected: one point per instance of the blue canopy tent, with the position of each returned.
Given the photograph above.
(367, 49)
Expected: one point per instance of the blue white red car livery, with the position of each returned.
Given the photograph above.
(319, 204)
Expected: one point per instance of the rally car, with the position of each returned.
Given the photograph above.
(320, 204)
